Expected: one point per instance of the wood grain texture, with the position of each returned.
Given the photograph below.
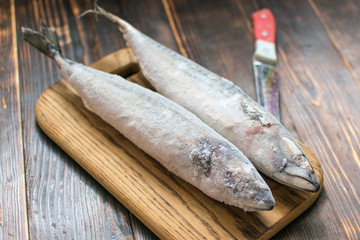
(217, 36)
(319, 71)
(313, 75)
(63, 200)
(170, 207)
(13, 217)
(141, 232)
(340, 20)
(146, 14)
(326, 97)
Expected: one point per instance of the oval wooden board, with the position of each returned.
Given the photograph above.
(170, 207)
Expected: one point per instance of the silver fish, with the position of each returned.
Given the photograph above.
(166, 131)
(223, 106)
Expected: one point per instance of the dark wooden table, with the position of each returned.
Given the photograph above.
(44, 194)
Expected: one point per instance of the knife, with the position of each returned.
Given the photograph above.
(264, 61)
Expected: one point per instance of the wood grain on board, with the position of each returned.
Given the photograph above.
(317, 88)
(319, 72)
(63, 200)
(324, 103)
(84, 40)
(170, 207)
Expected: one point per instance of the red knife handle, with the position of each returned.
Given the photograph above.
(264, 25)
(264, 33)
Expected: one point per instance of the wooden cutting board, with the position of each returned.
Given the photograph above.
(170, 207)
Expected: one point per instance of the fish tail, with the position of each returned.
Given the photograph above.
(120, 23)
(104, 13)
(46, 40)
(98, 10)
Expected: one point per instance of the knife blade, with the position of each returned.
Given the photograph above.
(264, 61)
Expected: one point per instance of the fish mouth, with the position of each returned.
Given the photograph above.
(265, 205)
(263, 200)
(299, 178)
(296, 171)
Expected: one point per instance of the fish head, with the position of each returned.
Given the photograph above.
(296, 170)
(225, 171)
(247, 189)
(277, 154)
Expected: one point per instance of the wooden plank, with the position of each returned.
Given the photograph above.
(141, 232)
(329, 97)
(85, 40)
(324, 95)
(217, 36)
(205, 34)
(329, 217)
(148, 15)
(340, 20)
(63, 200)
(13, 215)
(170, 207)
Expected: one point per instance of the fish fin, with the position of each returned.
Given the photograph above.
(97, 10)
(103, 12)
(120, 23)
(45, 41)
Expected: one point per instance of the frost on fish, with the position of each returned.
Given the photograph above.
(218, 161)
(176, 138)
(166, 131)
(224, 107)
